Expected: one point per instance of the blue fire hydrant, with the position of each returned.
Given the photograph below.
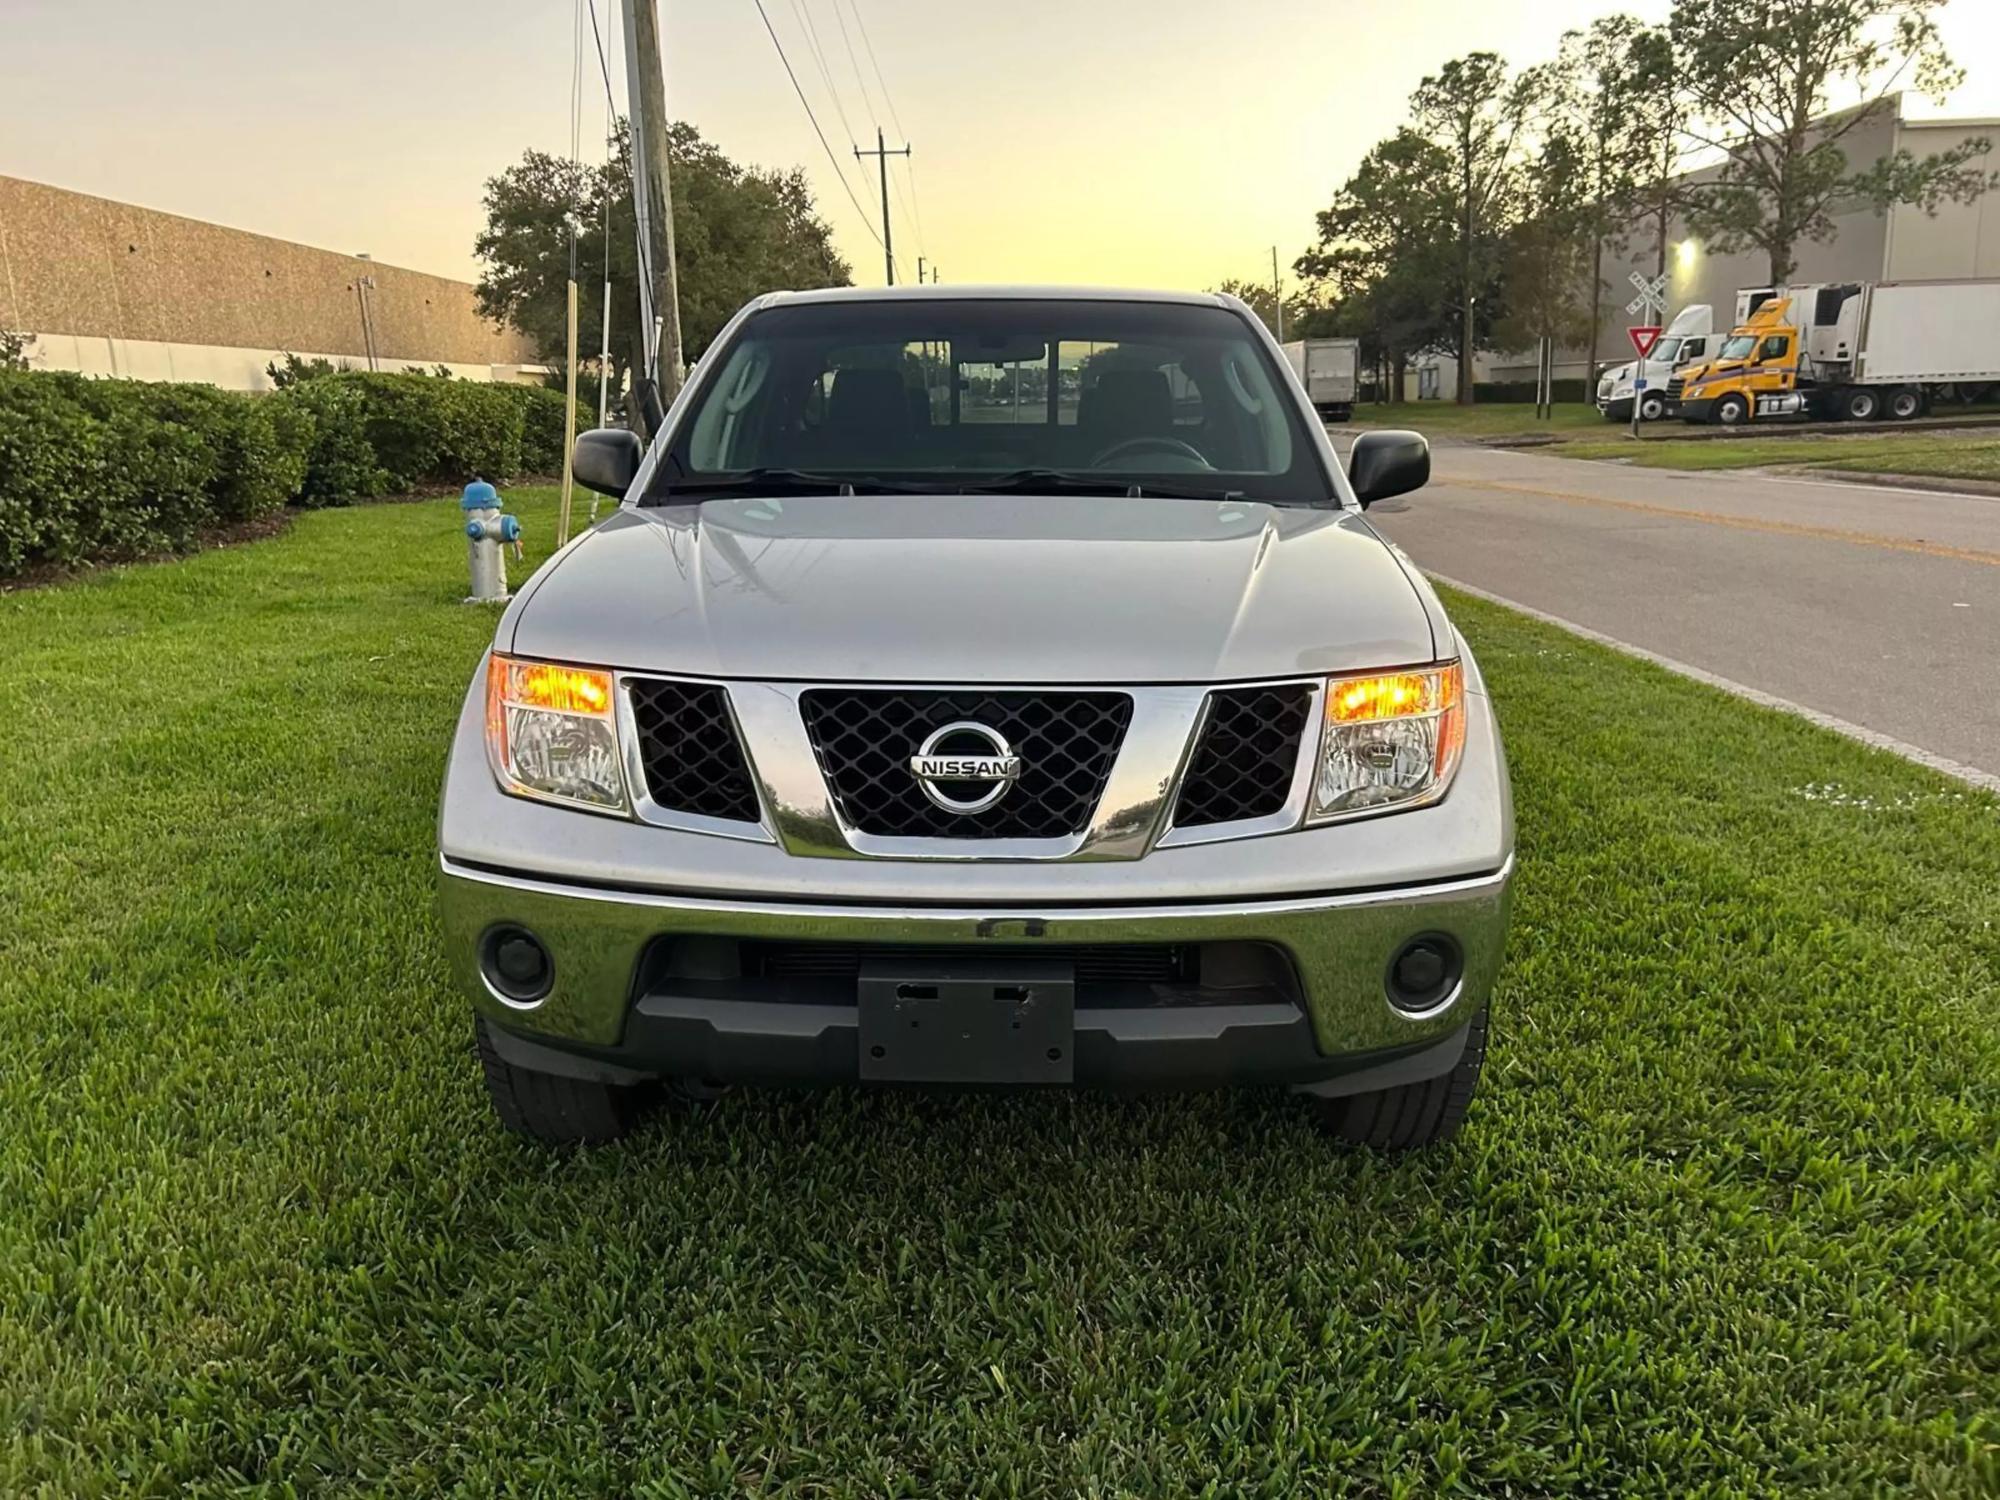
(487, 529)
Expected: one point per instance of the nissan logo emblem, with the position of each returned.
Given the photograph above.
(954, 773)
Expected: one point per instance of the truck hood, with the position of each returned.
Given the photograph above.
(976, 588)
(1695, 374)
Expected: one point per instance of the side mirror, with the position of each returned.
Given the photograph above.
(607, 460)
(1388, 463)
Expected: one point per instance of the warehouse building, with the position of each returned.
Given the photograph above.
(109, 288)
(1904, 244)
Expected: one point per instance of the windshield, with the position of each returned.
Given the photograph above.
(951, 394)
(1665, 351)
(1738, 345)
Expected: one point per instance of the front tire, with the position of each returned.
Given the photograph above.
(1652, 408)
(551, 1108)
(1410, 1116)
(1732, 411)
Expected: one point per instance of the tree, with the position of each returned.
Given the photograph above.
(14, 350)
(1762, 75)
(1470, 112)
(1548, 252)
(1257, 294)
(738, 231)
(1609, 97)
(1383, 258)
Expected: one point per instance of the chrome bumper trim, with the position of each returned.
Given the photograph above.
(1341, 943)
(1475, 885)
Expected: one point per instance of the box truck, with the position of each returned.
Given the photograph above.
(1857, 351)
(1329, 369)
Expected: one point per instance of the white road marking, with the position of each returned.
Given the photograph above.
(1944, 765)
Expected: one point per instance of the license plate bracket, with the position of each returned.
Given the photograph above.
(972, 1021)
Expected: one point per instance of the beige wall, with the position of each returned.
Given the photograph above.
(1961, 239)
(71, 264)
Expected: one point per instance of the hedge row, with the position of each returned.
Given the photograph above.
(101, 469)
(1568, 391)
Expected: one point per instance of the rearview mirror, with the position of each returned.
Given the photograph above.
(1388, 463)
(607, 460)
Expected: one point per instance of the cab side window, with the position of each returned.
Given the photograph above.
(1774, 347)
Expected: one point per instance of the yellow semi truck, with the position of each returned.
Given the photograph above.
(1855, 351)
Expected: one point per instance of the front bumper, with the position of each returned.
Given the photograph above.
(609, 1012)
(1695, 409)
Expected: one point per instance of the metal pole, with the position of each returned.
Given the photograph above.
(1277, 294)
(652, 186)
(888, 236)
(882, 153)
(569, 425)
(604, 339)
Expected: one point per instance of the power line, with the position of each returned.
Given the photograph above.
(846, 186)
(611, 102)
(910, 168)
(855, 6)
(911, 211)
(866, 98)
(803, 10)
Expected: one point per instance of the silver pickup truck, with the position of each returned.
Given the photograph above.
(981, 687)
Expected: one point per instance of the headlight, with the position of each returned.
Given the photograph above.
(1390, 739)
(552, 731)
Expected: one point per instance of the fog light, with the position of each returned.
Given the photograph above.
(517, 966)
(1424, 972)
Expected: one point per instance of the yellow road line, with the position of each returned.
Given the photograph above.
(1751, 523)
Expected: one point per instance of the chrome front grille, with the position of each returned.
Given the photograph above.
(1067, 741)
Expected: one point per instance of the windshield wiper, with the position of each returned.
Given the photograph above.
(770, 481)
(1074, 482)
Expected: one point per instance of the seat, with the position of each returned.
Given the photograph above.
(1126, 404)
(868, 415)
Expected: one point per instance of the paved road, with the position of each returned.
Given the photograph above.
(1877, 605)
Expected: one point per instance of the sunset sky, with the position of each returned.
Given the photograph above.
(1135, 142)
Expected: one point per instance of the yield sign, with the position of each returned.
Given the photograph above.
(1644, 337)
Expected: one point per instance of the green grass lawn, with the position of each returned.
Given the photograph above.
(1723, 1220)
(1484, 419)
(1959, 455)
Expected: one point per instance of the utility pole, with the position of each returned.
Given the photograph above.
(882, 153)
(1277, 294)
(653, 195)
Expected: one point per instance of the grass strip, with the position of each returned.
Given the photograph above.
(1721, 1221)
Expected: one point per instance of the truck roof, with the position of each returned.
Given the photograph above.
(993, 292)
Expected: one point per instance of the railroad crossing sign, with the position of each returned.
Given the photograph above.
(1644, 337)
(1652, 296)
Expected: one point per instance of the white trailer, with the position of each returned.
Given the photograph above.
(1329, 369)
(1890, 348)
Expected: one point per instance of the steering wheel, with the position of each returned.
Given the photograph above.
(1156, 444)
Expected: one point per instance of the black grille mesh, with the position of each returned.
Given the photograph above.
(1243, 766)
(688, 746)
(1067, 741)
